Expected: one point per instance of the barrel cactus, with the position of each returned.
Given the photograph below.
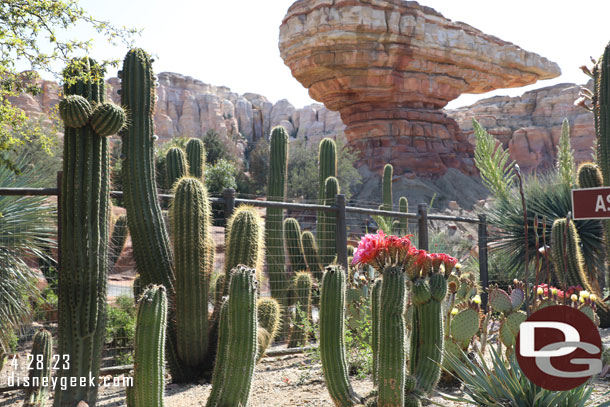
(40, 374)
(589, 176)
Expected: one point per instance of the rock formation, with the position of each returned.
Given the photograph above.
(390, 66)
(530, 125)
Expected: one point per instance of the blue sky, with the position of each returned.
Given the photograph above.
(234, 42)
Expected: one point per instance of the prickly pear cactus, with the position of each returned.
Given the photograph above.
(508, 304)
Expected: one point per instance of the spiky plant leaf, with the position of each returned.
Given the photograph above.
(565, 155)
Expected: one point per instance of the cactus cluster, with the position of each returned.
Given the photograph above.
(85, 222)
(404, 270)
(509, 305)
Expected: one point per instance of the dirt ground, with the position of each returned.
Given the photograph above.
(286, 381)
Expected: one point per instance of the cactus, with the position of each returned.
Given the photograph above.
(107, 119)
(327, 226)
(137, 287)
(332, 342)
(42, 348)
(572, 261)
(84, 241)
(269, 316)
(327, 160)
(312, 254)
(387, 187)
(375, 299)
(302, 290)
(244, 241)
(242, 339)
(196, 155)
(149, 361)
(391, 353)
(220, 367)
(149, 236)
(176, 166)
(118, 239)
(191, 220)
(589, 176)
(427, 330)
(508, 304)
(403, 206)
(294, 247)
(274, 232)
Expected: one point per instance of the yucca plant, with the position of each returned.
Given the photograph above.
(27, 229)
(503, 384)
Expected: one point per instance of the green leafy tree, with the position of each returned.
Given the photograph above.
(303, 170)
(220, 176)
(32, 37)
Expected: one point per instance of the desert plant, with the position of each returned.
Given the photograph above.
(220, 176)
(403, 206)
(149, 364)
(327, 223)
(565, 155)
(149, 236)
(42, 353)
(386, 190)
(269, 319)
(196, 155)
(176, 166)
(85, 196)
(302, 289)
(589, 176)
(194, 262)
(312, 254)
(294, 247)
(508, 305)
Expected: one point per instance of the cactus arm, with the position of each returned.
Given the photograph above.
(196, 156)
(176, 166)
(328, 224)
(332, 345)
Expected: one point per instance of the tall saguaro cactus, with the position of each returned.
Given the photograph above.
(191, 220)
(388, 171)
(195, 154)
(327, 223)
(294, 247)
(149, 362)
(148, 232)
(85, 222)
(274, 228)
(327, 167)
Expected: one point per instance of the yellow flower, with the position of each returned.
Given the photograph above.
(574, 298)
(454, 311)
(540, 291)
(554, 291)
(585, 294)
(476, 299)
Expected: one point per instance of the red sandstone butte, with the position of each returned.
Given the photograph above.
(390, 66)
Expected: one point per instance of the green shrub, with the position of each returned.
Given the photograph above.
(220, 176)
(121, 322)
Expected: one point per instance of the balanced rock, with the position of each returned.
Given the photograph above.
(390, 66)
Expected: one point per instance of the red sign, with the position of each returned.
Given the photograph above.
(559, 348)
(591, 203)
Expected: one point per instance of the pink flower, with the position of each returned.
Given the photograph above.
(369, 248)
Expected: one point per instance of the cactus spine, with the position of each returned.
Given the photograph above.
(149, 361)
(176, 166)
(312, 254)
(294, 247)
(242, 345)
(191, 220)
(276, 191)
(387, 187)
(244, 240)
(42, 348)
(563, 236)
(391, 360)
(403, 206)
(328, 224)
(302, 290)
(117, 239)
(196, 155)
(85, 223)
(589, 176)
(148, 232)
(332, 341)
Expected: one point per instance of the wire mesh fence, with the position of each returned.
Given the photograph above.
(301, 237)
